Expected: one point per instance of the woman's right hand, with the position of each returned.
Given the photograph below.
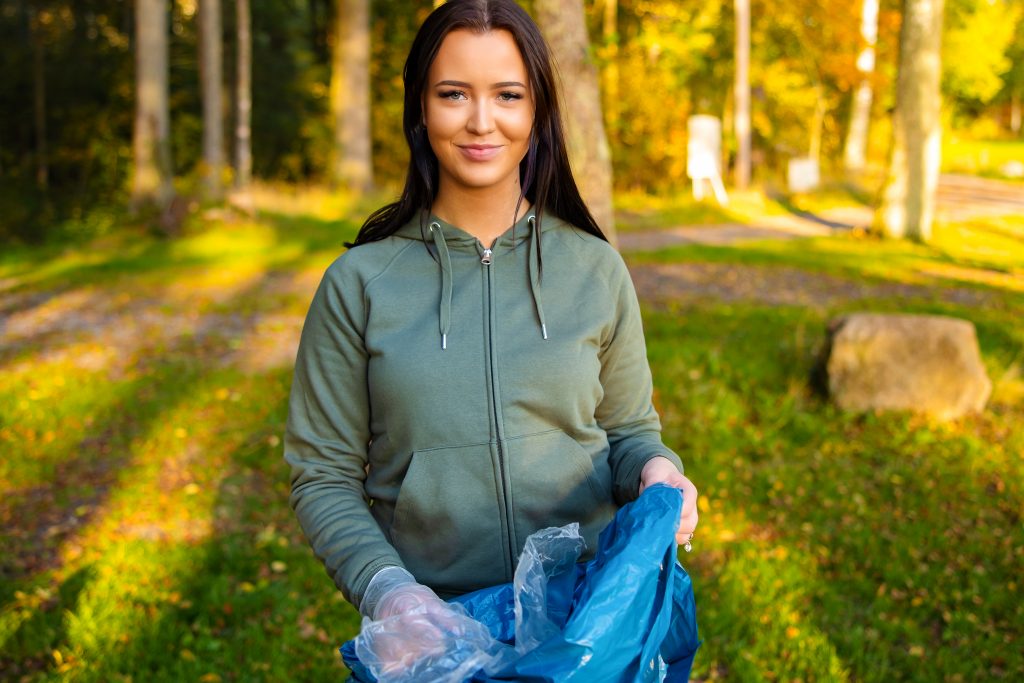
(407, 597)
(414, 635)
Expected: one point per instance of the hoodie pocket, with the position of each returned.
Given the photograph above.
(447, 522)
(555, 481)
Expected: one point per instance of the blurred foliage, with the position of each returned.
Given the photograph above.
(983, 29)
(672, 62)
(661, 61)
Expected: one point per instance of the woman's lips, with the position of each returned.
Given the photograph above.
(479, 152)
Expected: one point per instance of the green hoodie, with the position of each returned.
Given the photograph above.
(445, 407)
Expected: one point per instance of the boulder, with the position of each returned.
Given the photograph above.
(925, 363)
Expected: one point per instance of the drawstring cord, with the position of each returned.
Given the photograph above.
(534, 258)
(445, 261)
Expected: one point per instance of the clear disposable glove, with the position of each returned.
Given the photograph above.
(413, 636)
(393, 591)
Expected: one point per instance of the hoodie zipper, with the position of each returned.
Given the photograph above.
(487, 260)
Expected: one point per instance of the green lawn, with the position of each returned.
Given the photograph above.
(961, 154)
(145, 524)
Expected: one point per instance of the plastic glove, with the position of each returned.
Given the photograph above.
(415, 636)
(394, 591)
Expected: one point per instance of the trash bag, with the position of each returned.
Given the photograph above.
(627, 615)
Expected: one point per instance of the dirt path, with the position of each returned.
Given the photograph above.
(104, 328)
(959, 198)
(661, 284)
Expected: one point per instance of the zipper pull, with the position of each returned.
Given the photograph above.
(486, 259)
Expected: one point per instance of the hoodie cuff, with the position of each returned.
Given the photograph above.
(357, 590)
(629, 484)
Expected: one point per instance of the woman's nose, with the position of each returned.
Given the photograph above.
(481, 120)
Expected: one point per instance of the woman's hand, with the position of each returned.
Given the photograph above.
(416, 636)
(662, 470)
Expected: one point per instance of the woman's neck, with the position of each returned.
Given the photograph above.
(483, 213)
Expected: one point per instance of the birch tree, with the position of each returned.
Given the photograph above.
(211, 46)
(908, 198)
(350, 96)
(243, 96)
(564, 26)
(855, 151)
(151, 181)
(741, 94)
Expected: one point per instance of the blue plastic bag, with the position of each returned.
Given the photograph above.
(627, 615)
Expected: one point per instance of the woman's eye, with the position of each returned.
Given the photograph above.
(509, 96)
(452, 95)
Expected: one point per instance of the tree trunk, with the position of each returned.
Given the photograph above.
(741, 94)
(151, 182)
(610, 32)
(350, 96)
(565, 29)
(817, 124)
(908, 199)
(39, 99)
(1015, 113)
(855, 153)
(243, 97)
(211, 46)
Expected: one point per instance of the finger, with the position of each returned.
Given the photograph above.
(687, 526)
(689, 498)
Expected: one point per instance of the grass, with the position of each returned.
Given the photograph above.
(832, 546)
(962, 154)
(635, 211)
(145, 523)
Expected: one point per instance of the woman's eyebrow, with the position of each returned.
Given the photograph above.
(463, 84)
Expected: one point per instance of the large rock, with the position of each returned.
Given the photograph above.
(924, 363)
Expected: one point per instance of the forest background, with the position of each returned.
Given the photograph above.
(69, 72)
(148, 329)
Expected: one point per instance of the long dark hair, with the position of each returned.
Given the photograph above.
(544, 173)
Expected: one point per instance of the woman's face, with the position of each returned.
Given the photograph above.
(478, 110)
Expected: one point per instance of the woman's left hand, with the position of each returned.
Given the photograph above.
(662, 470)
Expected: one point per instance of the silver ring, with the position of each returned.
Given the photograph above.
(687, 546)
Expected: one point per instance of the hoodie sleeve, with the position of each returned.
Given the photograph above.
(327, 436)
(626, 411)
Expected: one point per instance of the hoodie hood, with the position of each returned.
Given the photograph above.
(446, 237)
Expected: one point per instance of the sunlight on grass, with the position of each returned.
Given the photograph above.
(226, 242)
(760, 612)
(1008, 386)
(147, 533)
(641, 211)
(962, 255)
(984, 157)
(318, 201)
(49, 407)
(996, 243)
(863, 507)
(315, 201)
(832, 195)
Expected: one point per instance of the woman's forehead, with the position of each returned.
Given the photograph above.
(480, 59)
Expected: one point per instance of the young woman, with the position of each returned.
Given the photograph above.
(473, 369)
